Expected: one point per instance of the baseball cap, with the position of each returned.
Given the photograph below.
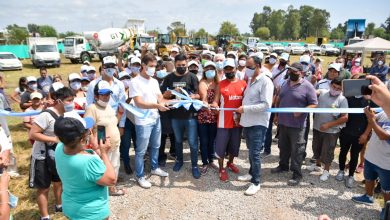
(210, 63)
(91, 68)
(84, 68)
(258, 54)
(31, 79)
(206, 52)
(86, 62)
(109, 60)
(74, 76)
(296, 66)
(231, 53)
(104, 87)
(304, 59)
(135, 60)
(335, 66)
(72, 125)
(85, 79)
(284, 56)
(36, 95)
(123, 74)
(56, 86)
(274, 55)
(357, 60)
(192, 62)
(229, 62)
(175, 49)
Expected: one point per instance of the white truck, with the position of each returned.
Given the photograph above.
(44, 51)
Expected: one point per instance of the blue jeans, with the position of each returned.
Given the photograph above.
(128, 135)
(268, 136)
(254, 137)
(207, 133)
(147, 135)
(179, 126)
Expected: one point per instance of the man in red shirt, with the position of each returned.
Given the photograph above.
(229, 95)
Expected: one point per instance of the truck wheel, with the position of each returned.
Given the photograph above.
(85, 57)
(74, 61)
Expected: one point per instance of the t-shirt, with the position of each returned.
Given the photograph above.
(105, 117)
(148, 90)
(5, 142)
(325, 100)
(324, 84)
(278, 75)
(44, 84)
(378, 151)
(189, 82)
(46, 122)
(357, 123)
(30, 119)
(232, 94)
(82, 197)
(25, 97)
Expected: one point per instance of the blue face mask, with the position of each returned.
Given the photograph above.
(219, 65)
(210, 74)
(161, 74)
(110, 72)
(135, 69)
(13, 200)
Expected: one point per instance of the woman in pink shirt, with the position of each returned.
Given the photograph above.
(357, 68)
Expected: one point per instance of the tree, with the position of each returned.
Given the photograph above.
(276, 23)
(47, 31)
(33, 28)
(262, 33)
(178, 28)
(386, 25)
(292, 27)
(319, 23)
(17, 34)
(201, 33)
(370, 28)
(337, 34)
(67, 34)
(306, 13)
(153, 33)
(228, 28)
(380, 32)
(260, 19)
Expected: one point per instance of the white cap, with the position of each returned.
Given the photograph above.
(57, 85)
(304, 59)
(258, 54)
(175, 49)
(210, 63)
(229, 62)
(122, 74)
(357, 60)
(135, 60)
(104, 87)
(86, 62)
(232, 53)
(335, 66)
(31, 79)
(206, 52)
(192, 62)
(84, 68)
(74, 76)
(274, 55)
(109, 59)
(91, 68)
(284, 56)
(136, 52)
(36, 95)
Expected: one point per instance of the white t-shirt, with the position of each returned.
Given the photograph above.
(278, 81)
(148, 90)
(378, 151)
(5, 142)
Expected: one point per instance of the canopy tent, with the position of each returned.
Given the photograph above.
(374, 44)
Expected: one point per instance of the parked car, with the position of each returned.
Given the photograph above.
(277, 48)
(262, 48)
(295, 48)
(329, 49)
(313, 48)
(8, 61)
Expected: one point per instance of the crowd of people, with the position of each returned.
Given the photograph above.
(236, 89)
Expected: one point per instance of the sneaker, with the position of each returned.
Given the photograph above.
(204, 169)
(363, 199)
(177, 166)
(340, 175)
(324, 176)
(349, 181)
(160, 172)
(245, 178)
(223, 176)
(252, 189)
(144, 183)
(313, 167)
(232, 167)
(264, 155)
(278, 169)
(294, 181)
(195, 172)
(57, 209)
(382, 215)
(360, 168)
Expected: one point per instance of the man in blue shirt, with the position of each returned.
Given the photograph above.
(380, 70)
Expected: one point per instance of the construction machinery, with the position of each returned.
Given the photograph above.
(164, 43)
(201, 43)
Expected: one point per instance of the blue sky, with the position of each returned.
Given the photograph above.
(89, 15)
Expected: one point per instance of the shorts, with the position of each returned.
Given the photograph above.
(227, 140)
(324, 145)
(372, 172)
(41, 175)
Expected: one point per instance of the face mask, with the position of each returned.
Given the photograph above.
(380, 62)
(13, 200)
(150, 71)
(84, 88)
(272, 60)
(181, 70)
(110, 72)
(126, 83)
(358, 96)
(33, 86)
(161, 74)
(210, 74)
(193, 71)
(204, 62)
(219, 65)
(69, 107)
(333, 92)
(242, 62)
(135, 69)
(75, 85)
(294, 77)
(305, 67)
(282, 63)
(91, 76)
(357, 64)
(101, 103)
(249, 72)
(230, 75)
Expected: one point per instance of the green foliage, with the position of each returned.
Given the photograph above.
(263, 33)
(370, 29)
(17, 34)
(201, 33)
(292, 26)
(178, 28)
(276, 24)
(228, 28)
(67, 34)
(47, 31)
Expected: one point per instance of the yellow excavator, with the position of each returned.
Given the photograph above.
(165, 43)
(185, 43)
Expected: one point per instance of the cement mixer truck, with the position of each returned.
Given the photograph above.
(94, 44)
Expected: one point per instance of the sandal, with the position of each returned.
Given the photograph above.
(118, 192)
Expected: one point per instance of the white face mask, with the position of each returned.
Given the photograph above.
(126, 83)
(110, 72)
(272, 60)
(242, 62)
(380, 62)
(75, 85)
(357, 64)
(102, 103)
(150, 71)
(249, 72)
(84, 88)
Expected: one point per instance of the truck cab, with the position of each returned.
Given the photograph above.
(74, 46)
(44, 51)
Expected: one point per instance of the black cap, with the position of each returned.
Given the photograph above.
(70, 127)
(296, 66)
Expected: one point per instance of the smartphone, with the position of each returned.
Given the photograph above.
(356, 87)
(101, 131)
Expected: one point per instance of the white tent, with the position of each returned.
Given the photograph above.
(374, 44)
